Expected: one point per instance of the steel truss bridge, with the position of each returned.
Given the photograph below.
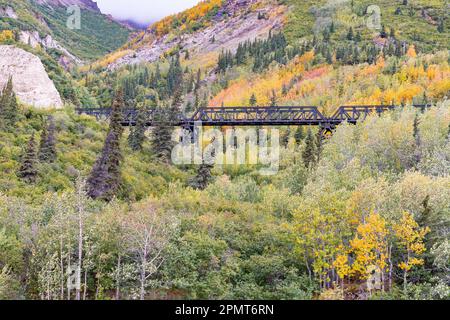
(255, 116)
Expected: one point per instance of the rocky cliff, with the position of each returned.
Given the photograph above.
(30, 80)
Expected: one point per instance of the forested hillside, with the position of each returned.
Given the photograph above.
(97, 36)
(361, 213)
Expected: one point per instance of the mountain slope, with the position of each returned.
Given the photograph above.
(204, 31)
(216, 25)
(44, 22)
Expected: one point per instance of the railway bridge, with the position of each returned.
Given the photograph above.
(255, 116)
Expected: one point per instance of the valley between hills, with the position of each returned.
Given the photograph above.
(94, 209)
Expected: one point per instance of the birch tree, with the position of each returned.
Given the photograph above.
(147, 234)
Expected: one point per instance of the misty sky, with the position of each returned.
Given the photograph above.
(143, 11)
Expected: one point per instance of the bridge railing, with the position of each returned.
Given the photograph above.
(257, 115)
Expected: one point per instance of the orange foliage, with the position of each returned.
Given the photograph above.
(240, 91)
(325, 87)
(411, 51)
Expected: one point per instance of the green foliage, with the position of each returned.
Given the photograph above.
(98, 35)
(233, 240)
(348, 21)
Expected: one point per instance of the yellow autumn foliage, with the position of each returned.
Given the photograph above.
(6, 35)
(107, 60)
(185, 18)
(370, 245)
(411, 238)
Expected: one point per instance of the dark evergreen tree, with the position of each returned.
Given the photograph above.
(273, 99)
(28, 170)
(196, 100)
(203, 177)
(319, 146)
(105, 179)
(165, 118)
(174, 75)
(198, 80)
(441, 27)
(383, 32)
(329, 57)
(299, 134)
(253, 102)
(350, 34)
(392, 33)
(190, 85)
(162, 134)
(9, 109)
(47, 146)
(137, 135)
(285, 138)
(332, 27)
(418, 141)
(309, 154)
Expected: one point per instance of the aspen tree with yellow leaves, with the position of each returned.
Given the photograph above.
(411, 238)
(370, 246)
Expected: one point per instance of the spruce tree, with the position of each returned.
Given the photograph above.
(203, 177)
(105, 179)
(416, 132)
(162, 134)
(350, 34)
(284, 90)
(299, 134)
(309, 154)
(285, 138)
(198, 81)
(47, 147)
(165, 118)
(28, 171)
(441, 27)
(174, 75)
(137, 135)
(273, 99)
(319, 146)
(8, 106)
(253, 100)
(329, 57)
(383, 33)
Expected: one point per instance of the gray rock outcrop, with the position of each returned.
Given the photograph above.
(30, 80)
